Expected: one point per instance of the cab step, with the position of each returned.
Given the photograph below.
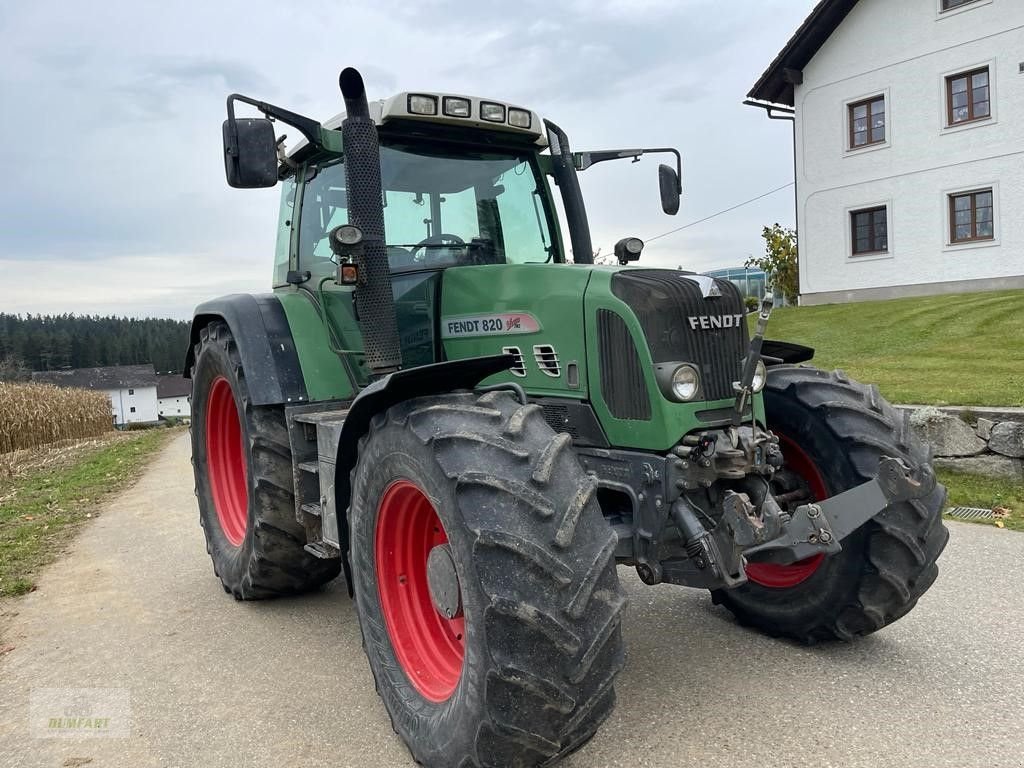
(322, 550)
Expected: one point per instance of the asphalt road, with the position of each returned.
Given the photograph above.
(214, 682)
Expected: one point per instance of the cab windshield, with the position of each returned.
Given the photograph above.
(439, 210)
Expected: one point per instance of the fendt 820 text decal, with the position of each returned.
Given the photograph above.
(506, 323)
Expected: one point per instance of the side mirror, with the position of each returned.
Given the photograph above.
(250, 153)
(671, 188)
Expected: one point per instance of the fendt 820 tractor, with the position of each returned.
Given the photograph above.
(435, 403)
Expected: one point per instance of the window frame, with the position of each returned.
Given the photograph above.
(943, 12)
(968, 74)
(847, 150)
(852, 253)
(851, 146)
(951, 198)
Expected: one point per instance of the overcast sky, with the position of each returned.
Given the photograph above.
(114, 199)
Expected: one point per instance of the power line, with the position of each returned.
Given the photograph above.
(719, 213)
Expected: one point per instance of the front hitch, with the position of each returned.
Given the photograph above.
(819, 527)
(764, 531)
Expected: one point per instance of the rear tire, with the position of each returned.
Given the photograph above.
(541, 603)
(843, 427)
(243, 473)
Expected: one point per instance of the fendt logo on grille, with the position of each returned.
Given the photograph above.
(707, 322)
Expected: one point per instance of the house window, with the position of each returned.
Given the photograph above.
(968, 96)
(131, 391)
(867, 122)
(971, 216)
(870, 231)
(948, 5)
(132, 409)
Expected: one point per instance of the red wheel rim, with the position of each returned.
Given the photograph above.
(225, 461)
(779, 576)
(429, 647)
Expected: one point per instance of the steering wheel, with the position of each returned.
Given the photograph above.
(442, 238)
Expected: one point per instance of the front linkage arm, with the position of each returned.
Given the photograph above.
(819, 527)
(770, 534)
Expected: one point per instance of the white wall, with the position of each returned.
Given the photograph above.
(142, 399)
(174, 407)
(905, 49)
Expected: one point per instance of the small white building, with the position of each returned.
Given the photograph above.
(173, 393)
(131, 389)
(909, 146)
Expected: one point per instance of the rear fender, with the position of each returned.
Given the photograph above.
(264, 340)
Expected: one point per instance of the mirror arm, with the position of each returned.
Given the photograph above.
(583, 160)
(309, 128)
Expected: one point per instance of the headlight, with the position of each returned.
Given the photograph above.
(495, 113)
(519, 118)
(685, 383)
(760, 376)
(455, 107)
(422, 104)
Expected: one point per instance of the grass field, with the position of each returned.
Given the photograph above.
(967, 490)
(46, 494)
(965, 349)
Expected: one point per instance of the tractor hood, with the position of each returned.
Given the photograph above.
(606, 336)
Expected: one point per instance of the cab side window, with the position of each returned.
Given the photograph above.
(282, 250)
(324, 206)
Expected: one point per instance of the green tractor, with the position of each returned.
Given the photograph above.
(435, 403)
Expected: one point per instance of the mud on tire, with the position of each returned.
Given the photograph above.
(886, 565)
(535, 561)
(270, 559)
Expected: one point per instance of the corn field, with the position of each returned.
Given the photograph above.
(35, 414)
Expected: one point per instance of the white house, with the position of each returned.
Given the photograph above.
(909, 146)
(173, 392)
(131, 389)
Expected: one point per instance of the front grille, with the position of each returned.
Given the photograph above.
(664, 302)
(622, 377)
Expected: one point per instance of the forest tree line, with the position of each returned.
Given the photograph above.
(52, 342)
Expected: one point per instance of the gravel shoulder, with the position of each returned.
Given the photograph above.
(214, 682)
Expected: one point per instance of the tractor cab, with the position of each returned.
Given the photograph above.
(465, 182)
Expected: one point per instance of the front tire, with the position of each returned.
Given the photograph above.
(243, 473)
(833, 432)
(520, 670)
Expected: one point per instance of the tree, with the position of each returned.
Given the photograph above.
(779, 262)
(13, 368)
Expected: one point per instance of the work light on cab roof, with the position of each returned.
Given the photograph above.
(442, 107)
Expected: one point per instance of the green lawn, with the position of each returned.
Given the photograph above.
(965, 349)
(41, 508)
(968, 490)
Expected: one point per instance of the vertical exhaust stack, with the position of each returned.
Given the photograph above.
(375, 302)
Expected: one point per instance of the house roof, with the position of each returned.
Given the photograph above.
(172, 385)
(776, 84)
(110, 377)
